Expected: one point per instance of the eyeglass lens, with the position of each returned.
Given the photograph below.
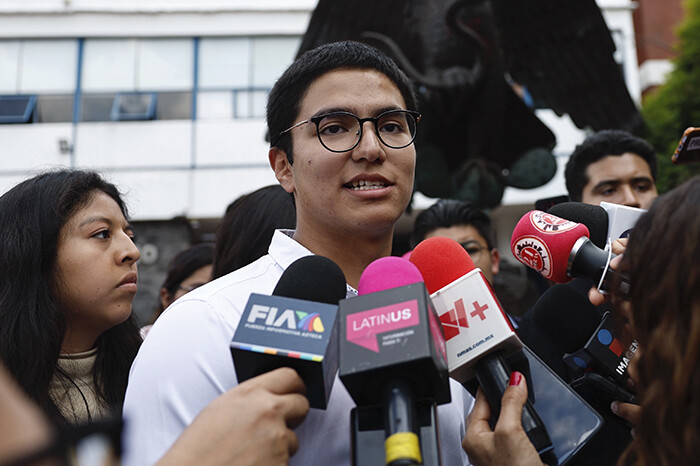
(340, 132)
(474, 250)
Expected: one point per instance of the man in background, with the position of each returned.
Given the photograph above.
(464, 223)
(471, 227)
(612, 166)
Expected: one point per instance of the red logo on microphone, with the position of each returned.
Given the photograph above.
(533, 253)
(548, 223)
(457, 317)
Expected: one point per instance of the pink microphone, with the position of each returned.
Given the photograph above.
(392, 355)
(386, 273)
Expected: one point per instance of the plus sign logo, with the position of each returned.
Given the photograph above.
(458, 317)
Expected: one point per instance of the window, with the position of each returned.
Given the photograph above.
(109, 65)
(174, 106)
(142, 78)
(270, 57)
(16, 108)
(96, 107)
(235, 74)
(9, 63)
(38, 78)
(54, 108)
(224, 63)
(47, 66)
(215, 104)
(134, 106)
(137, 79)
(164, 64)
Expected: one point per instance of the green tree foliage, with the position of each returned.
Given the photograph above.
(675, 106)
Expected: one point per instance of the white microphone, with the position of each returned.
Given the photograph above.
(478, 334)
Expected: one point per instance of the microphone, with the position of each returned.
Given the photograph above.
(588, 343)
(606, 222)
(295, 327)
(621, 219)
(478, 334)
(566, 317)
(560, 249)
(594, 217)
(392, 353)
(603, 352)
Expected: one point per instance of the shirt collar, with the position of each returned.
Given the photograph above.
(285, 250)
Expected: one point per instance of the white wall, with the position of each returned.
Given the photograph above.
(24, 147)
(172, 18)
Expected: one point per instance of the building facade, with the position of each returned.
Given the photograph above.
(167, 99)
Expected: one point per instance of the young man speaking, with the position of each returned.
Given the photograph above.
(342, 119)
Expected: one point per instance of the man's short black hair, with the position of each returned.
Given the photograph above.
(447, 213)
(286, 95)
(609, 142)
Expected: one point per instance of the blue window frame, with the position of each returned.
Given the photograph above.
(17, 108)
(134, 106)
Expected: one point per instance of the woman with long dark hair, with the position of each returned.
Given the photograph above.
(67, 281)
(662, 261)
(662, 313)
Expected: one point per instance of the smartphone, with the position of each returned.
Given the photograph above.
(570, 421)
(601, 391)
(688, 150)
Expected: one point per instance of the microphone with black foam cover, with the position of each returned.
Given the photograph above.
(392, 353)
(560, 250)
(587, 340)
(478, 334)
(594, 217)
(295, 327)
(566, 317)
(588, 343)
(606, 222)
(604, 352)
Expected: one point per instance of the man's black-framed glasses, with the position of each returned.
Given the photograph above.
(474, 249)
(342, 131)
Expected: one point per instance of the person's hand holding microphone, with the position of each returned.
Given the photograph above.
(251, 424)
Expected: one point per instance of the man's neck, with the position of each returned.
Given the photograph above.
(352, 254)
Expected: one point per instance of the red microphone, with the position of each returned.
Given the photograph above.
(544, 242)
(478, 335)
(560, 250)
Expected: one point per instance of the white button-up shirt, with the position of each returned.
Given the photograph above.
(185, 362)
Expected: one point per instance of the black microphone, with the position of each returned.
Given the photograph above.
(295, 327)
(593, 216)
(392, 354)
(566, 317)
(604, 353)
(589, 343)
(605, 222)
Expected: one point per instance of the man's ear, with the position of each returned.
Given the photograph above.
(495, 261)
(165, 299)
(282, 168)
